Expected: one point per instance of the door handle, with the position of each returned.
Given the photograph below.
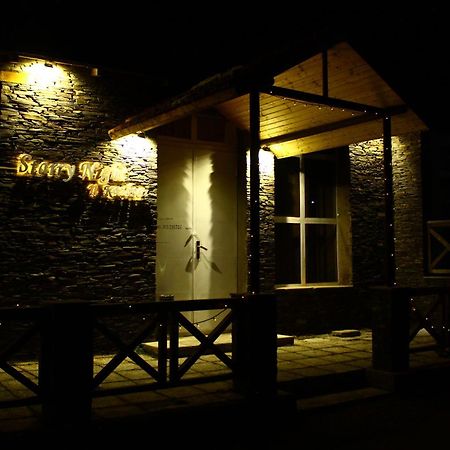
(198, 246)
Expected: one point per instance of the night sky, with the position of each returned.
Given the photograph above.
(185, 43)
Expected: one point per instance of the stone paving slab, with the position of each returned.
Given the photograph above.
(316, 358)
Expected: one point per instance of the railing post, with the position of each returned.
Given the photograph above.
(162, 346)
(446, 320)
(174, 336)
(255, 346)
(390, 332)
(66, 364)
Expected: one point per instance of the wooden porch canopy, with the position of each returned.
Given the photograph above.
(327, 99)
(331, 99)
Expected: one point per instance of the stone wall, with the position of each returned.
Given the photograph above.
(408, 215)
(267, 225)
(367, 206)
(86, 237)
(367, 211)
(320, 310)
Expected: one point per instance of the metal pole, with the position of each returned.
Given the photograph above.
(255, 144)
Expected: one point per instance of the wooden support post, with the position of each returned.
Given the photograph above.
(389, 234)
(255, 144)
(255, 346)
(390, 332)
(445, 301)
(174, 353)
(66, 364)
(162, 346)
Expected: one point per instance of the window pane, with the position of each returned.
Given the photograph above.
(320, 185)
(211, 128)
(287, 253)
(287, 189)
(321, 258)
(179, 129)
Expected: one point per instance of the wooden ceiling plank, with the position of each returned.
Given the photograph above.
(364, 118)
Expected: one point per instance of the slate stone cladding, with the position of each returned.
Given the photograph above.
(57, 242)
(320, 310)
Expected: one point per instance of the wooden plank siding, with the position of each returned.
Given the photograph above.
(401, 124)
(350, 78)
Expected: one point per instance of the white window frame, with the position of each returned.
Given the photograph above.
(342, 223)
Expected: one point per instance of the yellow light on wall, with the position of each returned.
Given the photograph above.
(44, 75)
(135, 147)
(265, 160)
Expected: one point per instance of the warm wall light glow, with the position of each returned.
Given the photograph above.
(135, 147)
(44, 75)
(266, 161)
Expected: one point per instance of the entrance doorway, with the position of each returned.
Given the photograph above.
(196, 242)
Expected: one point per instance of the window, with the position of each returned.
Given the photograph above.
(312, 223)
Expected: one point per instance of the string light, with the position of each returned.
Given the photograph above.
(319, 105)
(211, 318)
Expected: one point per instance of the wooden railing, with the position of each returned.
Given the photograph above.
(438, 241)
(20, 334)
(163, 324)
(430, 311)
(399, 314)
(66, 383)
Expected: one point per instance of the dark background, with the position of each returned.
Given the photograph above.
(180, 43)
(176, 44)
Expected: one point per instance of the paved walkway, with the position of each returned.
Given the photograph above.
(300, 367)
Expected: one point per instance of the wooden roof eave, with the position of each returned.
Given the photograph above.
(218, 89)
(156, 117)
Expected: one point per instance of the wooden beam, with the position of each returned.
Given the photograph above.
(255, 145)
(389, 235)
(321, 100)
(357, 120)
(169, 111)
(13, 77)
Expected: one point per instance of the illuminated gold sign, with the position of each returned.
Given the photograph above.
(109, 181)
(26, 165)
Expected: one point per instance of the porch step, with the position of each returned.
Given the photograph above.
(188, 344)
(328, 384)
(340, 398)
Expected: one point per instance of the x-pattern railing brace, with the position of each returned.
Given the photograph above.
(126, 350)
(13, 347)
(206, 342)
(444, 244)
(441, 337)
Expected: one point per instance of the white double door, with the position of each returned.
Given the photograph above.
(196, 243)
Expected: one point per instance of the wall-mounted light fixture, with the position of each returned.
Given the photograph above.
(44, 75)
(265, 160)
(135, 146)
